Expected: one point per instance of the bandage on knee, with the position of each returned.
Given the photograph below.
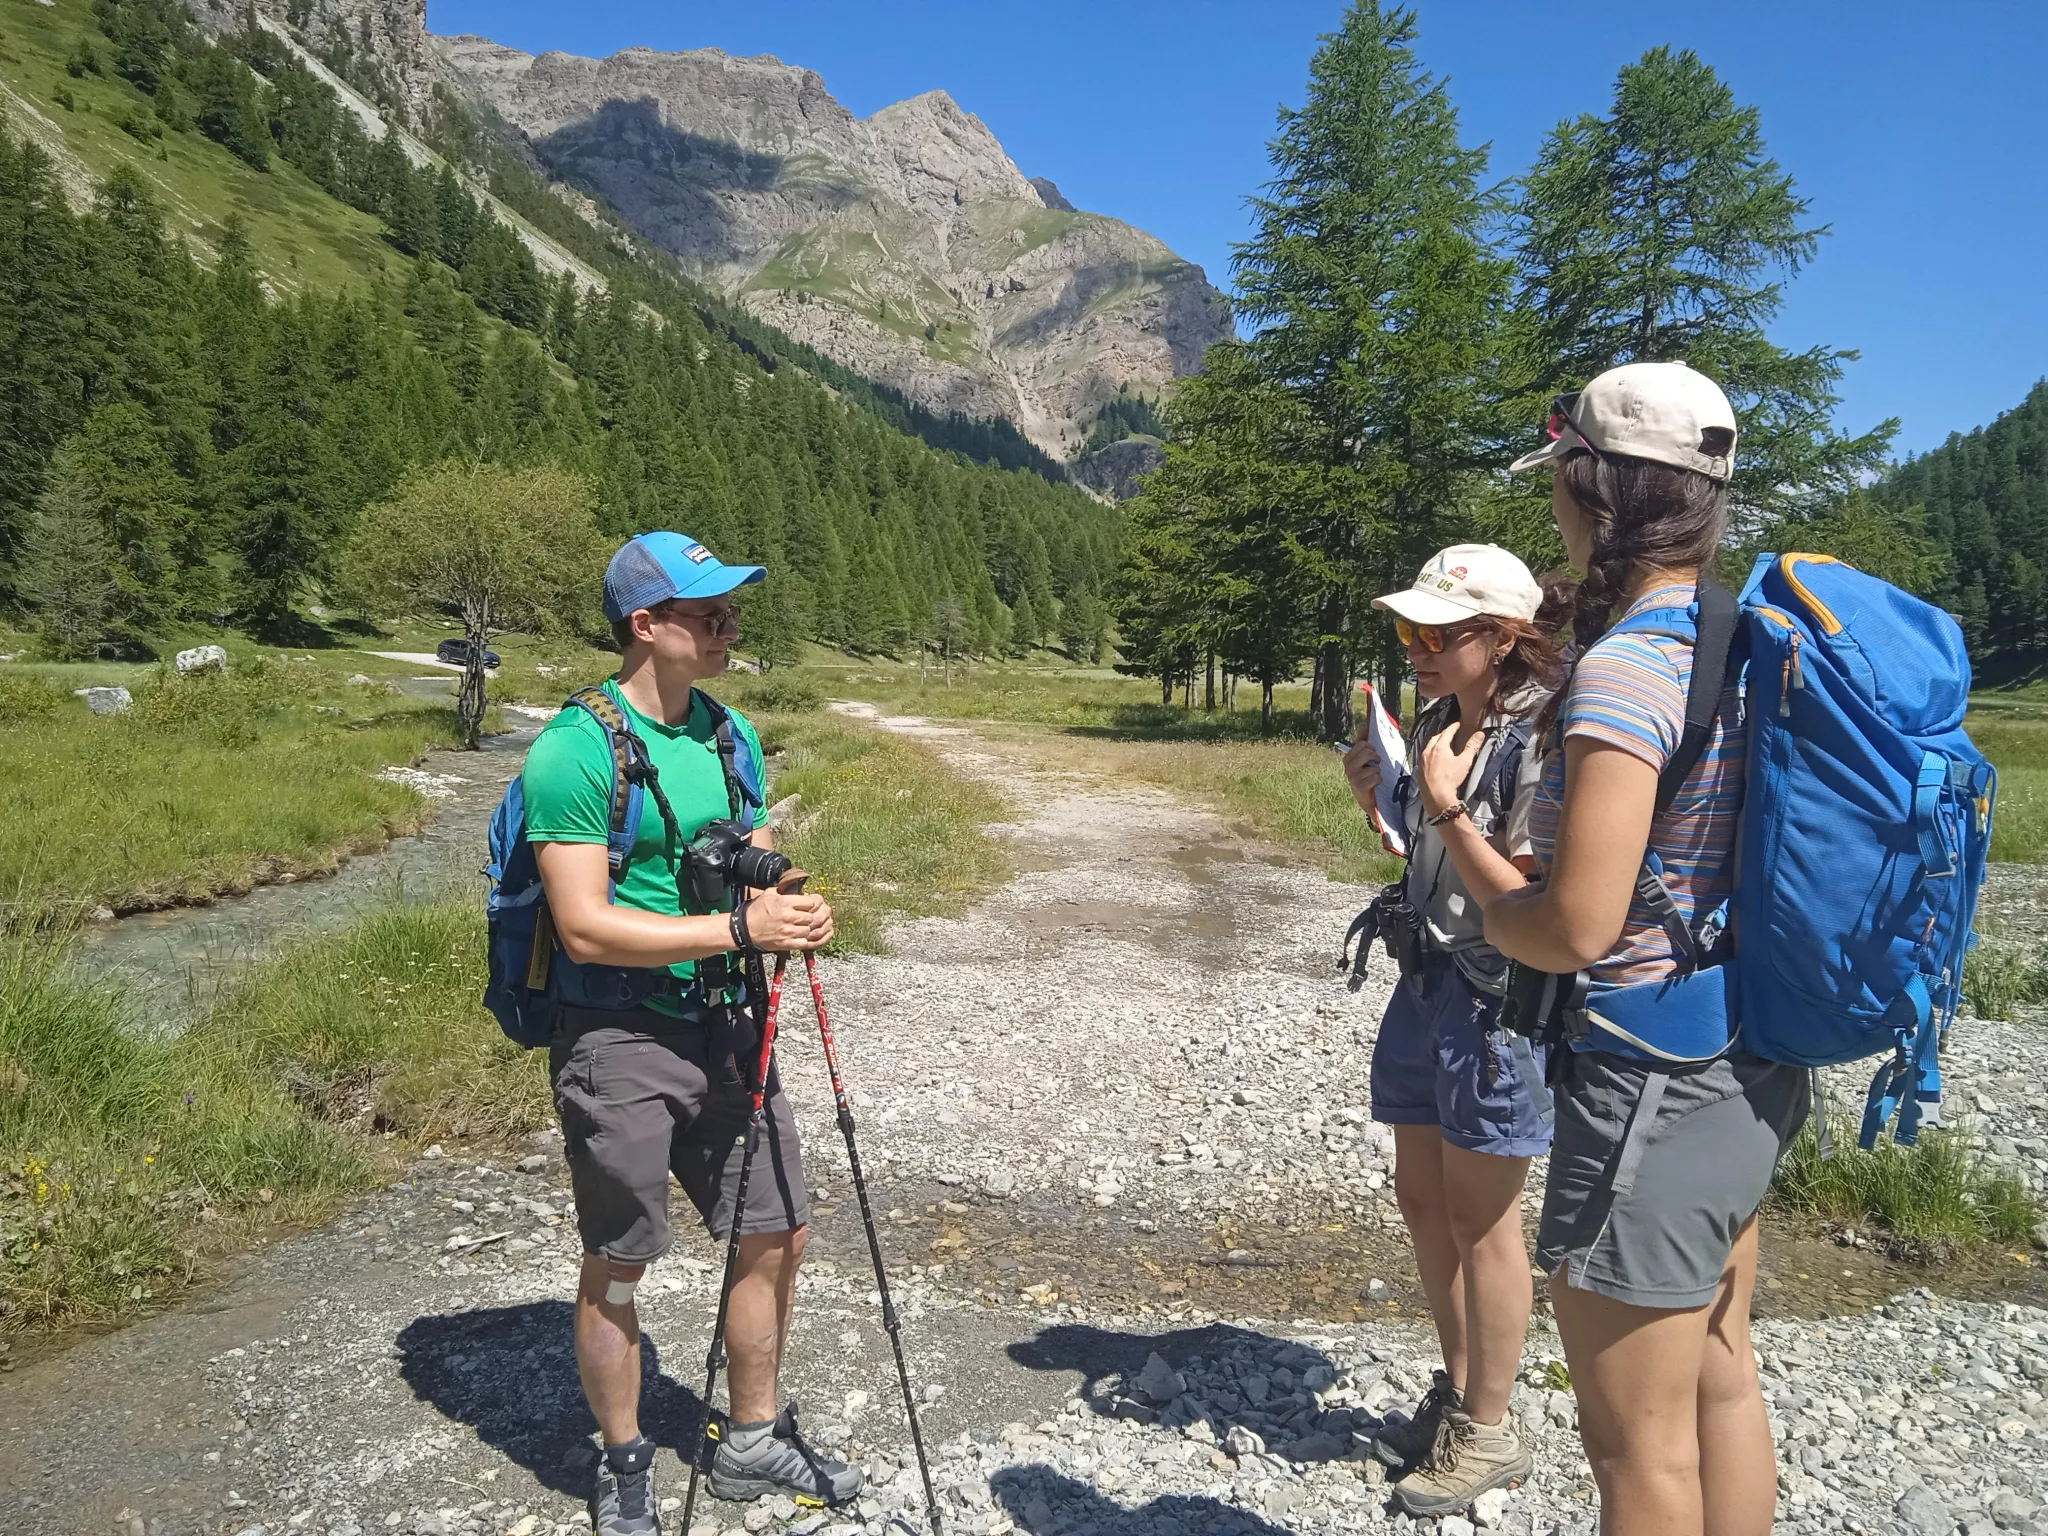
(620, 1292)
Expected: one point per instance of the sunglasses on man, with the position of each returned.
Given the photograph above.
(721, 620)
(1434, 637)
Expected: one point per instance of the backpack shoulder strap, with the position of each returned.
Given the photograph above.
(1713, 640)
(1507, 763)
(629, 770)
(736, 757)
(1710, 625)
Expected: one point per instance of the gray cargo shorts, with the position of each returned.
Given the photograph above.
(1654, 1171)
(643, 1095)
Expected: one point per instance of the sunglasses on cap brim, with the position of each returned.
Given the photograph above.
(1561, 409)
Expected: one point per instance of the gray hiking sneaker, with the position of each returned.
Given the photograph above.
(1468, 1459)
(1405, 1445)
(754, 1461)
(623, 1503)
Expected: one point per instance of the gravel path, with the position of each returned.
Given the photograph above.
(1116, 1112)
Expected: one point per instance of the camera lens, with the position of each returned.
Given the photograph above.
(761, 868)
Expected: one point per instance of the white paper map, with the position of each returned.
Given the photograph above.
(1385, 736)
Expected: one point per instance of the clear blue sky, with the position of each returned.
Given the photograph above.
(1920, 132)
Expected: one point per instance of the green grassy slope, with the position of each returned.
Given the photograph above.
(301, 237)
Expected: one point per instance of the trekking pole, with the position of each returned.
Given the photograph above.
(890, 1323)
(755, 1123)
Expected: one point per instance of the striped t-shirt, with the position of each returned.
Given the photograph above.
(1629, 692)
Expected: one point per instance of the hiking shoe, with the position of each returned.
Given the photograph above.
(623, 1503)
(753, 1461)
(1467, 1459)
(1406, 1444)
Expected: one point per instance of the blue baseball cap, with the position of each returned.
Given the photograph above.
(654, 567)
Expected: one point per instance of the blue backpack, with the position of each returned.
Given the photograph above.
(1863, 843)
(530, 977)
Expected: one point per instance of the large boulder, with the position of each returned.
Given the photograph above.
(106, 701)
(203, 658)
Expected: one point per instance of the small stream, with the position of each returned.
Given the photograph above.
(175, 963)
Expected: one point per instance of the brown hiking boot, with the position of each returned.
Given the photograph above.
(1467, 1459)
(1406, 1444)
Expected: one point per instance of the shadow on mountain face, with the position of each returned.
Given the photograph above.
(682, 190)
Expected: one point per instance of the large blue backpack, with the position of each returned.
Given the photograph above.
(1865, 832)
(531, 977)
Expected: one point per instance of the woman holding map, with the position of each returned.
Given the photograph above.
(1466, 1100)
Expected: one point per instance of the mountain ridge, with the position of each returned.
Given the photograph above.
(905, 245)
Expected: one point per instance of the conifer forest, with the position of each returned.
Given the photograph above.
(182, 444)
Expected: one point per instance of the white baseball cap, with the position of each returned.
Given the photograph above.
(1660, 411)
(1464, 581)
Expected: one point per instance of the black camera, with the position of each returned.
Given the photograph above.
(723, 859)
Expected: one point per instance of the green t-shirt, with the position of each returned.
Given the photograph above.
(568, 785)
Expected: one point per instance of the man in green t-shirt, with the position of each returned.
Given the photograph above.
(664, 1087)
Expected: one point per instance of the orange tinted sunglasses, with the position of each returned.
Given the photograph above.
(1434, 637)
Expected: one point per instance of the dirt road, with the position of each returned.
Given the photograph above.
(1118, 1107)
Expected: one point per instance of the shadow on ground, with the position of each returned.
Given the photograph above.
(510, 1372)
(1042, 1501)
(1111, 1364)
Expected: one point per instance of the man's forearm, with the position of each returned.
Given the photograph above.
(626, 936)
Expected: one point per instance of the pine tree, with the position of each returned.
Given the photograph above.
(1084, 627)
(1981, 501)
(1026, 632)
(286, 472)
(1653, 234)
(231, 109)
(48, 268)
(118, 463)
(1213, 529)
(1378, 303)
(67, 581)
(410, 212)
(238, 438)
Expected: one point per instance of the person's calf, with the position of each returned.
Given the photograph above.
(758, 1318)
(608, 1346)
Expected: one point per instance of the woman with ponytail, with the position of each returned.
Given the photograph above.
(1648, 1232)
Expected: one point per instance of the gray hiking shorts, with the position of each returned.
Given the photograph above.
(643, 1095)
(1653, 1173)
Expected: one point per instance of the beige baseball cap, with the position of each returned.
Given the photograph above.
(1464, 581)
(1660, 411)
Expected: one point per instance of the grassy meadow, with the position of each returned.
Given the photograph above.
(1930, 1201)
(127, 1161)
(209, 784)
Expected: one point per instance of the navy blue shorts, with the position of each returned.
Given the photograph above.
(1442, 1059)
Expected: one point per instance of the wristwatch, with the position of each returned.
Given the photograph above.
(1450, 812)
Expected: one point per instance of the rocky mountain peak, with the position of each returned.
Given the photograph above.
(908, 244)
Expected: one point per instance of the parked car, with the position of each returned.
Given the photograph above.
(456, 654)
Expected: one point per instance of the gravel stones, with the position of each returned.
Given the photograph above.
(1923, 1514)
(1160, 1381)
(1076, 1049)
